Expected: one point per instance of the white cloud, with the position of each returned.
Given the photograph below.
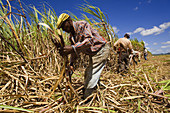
(155, 43)
(149, 1)
(167, 50)
(165, 25)
(136, 8)
(146, 44)
(129, 33)
(168, 42)
(155, 30)
(148, 48)
(115, 29)
(150, 31)
(139, 30)
(165, 46)
(159, 50)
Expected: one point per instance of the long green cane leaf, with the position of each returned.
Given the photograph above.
(15, 108)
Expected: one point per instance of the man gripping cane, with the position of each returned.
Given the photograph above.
(87, 40)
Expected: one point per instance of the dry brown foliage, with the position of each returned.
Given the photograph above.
(29, 85)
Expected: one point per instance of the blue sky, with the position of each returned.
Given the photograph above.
(147, 20)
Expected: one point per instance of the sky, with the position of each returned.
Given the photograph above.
(147, 20)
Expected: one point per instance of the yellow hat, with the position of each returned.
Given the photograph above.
(61, 19)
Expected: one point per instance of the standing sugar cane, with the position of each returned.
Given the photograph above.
(59, 43)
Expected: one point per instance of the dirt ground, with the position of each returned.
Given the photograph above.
(160, 65)
(142, 80)
(139, 91)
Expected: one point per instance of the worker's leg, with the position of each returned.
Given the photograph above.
(93, 71)
(126, 61)
(120, 63)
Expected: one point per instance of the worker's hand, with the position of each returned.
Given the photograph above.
(66, 50)
(69, 70)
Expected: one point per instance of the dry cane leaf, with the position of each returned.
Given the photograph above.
(131, 97)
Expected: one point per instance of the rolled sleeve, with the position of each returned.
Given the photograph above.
(83, 45)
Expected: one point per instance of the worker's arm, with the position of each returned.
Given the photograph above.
(115, 45)
(130, 47)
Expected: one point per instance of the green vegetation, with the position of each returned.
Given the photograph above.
(15, 108)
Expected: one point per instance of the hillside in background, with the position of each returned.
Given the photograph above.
(162, 54)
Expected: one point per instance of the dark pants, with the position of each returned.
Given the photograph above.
(145, 55)
(123, 62)
(134, 59)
